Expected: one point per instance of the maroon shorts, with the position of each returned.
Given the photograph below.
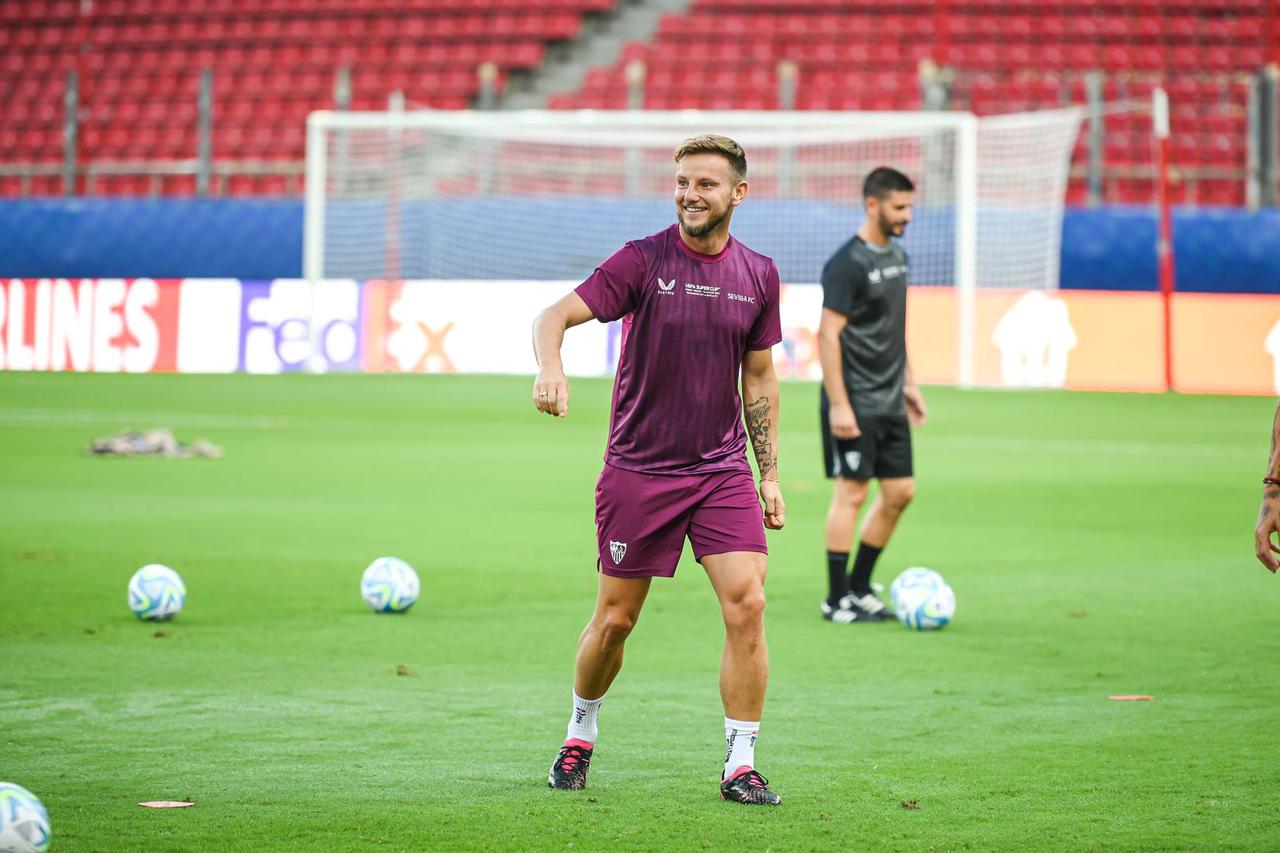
(643, 519)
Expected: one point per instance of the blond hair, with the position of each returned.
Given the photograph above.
(714, 143)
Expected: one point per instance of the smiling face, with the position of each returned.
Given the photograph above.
(706, 193)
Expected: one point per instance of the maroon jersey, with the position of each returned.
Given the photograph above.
(689, 320)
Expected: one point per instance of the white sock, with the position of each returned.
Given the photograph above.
(741, 737)
(582, 722)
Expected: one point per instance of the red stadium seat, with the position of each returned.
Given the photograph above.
(278, 59)
(274, 58)
(1015, 53)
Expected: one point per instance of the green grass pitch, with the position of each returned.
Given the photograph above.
(1098, 544)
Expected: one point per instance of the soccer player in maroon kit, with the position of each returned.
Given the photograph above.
(1269, 512)
(699, 312)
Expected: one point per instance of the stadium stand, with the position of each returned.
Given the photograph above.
(273, 61)
(1008, 55)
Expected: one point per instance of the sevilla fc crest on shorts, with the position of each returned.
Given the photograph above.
(617, 550)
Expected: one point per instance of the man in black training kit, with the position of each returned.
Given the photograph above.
(869, 399)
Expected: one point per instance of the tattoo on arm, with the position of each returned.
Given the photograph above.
(1270, 503)
(1273, 462)
(758, 424)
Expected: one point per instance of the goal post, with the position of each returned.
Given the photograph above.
(547, 195)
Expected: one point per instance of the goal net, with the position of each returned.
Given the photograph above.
(549, 194)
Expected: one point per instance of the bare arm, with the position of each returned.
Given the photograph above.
(551, 389)
(760, 398)
(1269, 514)
(916, 410)
(844, 424)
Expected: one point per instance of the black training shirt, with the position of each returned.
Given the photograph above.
(868, 285)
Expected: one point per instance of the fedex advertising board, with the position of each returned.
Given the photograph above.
(1091, 340)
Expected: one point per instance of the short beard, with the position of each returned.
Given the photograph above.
(712, 223)
(887, 227)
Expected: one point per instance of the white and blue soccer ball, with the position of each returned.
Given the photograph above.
(922, 599)
(24, 823)
(156, 593)
(389, 585)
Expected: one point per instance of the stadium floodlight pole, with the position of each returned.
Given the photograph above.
(966, 236)
(1164, 241)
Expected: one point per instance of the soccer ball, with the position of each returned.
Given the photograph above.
(922, 599)
(389, 585)
(24, 823)
(156, 593)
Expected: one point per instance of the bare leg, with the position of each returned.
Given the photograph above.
(618, 604)
(847, 498)
(895, 494)
(738, 579)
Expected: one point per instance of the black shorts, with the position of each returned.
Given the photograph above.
(883, 450)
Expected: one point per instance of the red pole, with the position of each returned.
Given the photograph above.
(1273, 33)
(1164, 239)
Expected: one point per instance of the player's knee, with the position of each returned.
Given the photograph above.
(614, 626)
(850, 504)
(901, 495)
(747, 610)
(850, 494)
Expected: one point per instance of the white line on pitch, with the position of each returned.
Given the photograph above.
(142, 420)
(1054, 445)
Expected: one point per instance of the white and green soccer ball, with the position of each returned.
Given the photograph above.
(389, 585)
(922, 599)
(156, 593)
(24, 823)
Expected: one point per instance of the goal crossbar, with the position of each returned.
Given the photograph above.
(426, 185)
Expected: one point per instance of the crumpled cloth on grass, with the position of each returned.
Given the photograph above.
(152, 442)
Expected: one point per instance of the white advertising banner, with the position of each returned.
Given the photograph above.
(473, 327)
